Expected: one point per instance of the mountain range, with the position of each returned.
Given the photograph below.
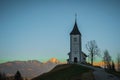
(28, 69)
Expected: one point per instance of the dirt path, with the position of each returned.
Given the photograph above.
(100, 74)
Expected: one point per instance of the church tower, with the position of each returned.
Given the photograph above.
(76, 55)
(75, 45)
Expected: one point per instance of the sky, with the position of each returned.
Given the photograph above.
(39, 29)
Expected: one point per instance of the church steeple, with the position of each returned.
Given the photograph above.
(76, 55)
(75, 30)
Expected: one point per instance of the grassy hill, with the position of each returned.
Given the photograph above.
(67, 72)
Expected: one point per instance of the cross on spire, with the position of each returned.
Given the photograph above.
(75, 17)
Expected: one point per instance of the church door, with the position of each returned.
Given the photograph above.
(75, 60)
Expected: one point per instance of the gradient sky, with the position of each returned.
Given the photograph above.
(39, 29)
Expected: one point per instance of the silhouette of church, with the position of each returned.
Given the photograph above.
(76, 55)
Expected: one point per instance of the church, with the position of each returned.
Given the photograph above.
(76, 55)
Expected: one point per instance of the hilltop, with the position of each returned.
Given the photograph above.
(67, 72)
(77, 72)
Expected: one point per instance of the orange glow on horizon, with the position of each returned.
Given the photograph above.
(101, 64)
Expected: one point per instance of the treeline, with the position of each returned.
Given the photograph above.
(3, 76)
(17, 76)
(109, 63)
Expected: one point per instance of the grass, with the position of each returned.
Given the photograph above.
(64, 72)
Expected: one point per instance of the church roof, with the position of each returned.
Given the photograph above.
(75, 30)
(84, 54)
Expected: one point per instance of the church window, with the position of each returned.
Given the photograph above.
(75, 39)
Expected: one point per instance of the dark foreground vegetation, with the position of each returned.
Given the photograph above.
(17, 76)
(64, 72)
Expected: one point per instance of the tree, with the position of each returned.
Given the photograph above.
(118, 61)
(3, 76)
(113, 66)
(92, 49)
(18, 76)
(107, 59)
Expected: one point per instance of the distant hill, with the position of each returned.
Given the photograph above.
(28, 69)
(67, 72)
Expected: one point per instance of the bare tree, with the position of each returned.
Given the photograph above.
(107, 59)
(118, 61)
(92, 49)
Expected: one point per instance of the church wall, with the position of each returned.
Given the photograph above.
(83, 58)
(75, 47)
(76, 55)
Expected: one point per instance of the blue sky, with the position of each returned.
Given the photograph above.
(39, 29)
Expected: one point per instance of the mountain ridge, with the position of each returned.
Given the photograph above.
(30, 68)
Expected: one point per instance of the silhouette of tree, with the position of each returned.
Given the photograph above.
(93, 50)
(0, 75)
(3, 76)
(18, 76)
(107, 59)
(113, 66)
(118, 61)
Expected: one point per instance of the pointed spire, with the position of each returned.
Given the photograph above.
(75, 30)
